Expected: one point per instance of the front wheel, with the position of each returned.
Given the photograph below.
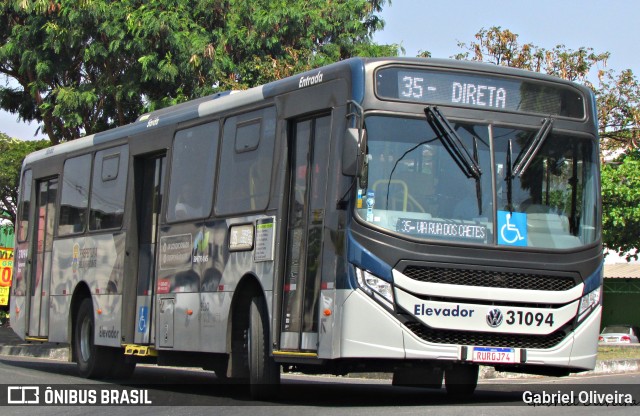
(93, 361)
(264, 372)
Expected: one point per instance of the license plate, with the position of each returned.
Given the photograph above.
(494, 355)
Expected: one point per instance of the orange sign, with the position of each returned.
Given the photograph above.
(6, 268)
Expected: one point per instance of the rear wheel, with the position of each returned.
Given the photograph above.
(264, 372)
(93, 361)
(461, 380)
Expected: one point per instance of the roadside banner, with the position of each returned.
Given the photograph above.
(6, 268)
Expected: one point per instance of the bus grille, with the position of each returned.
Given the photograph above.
(486, 339)
(486, 278)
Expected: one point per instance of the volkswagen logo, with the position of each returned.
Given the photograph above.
(494, 318)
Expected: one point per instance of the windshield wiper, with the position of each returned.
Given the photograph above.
(531, 149)
(478, 184)
(509, 176)
(453, 143)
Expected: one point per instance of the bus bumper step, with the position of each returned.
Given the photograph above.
(140, 350)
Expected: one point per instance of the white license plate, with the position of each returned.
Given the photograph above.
(494, 355)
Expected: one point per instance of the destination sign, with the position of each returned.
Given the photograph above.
(442, 229)
(479, 91)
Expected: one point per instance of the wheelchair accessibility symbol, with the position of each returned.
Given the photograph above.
(512, 228)
(143, 318)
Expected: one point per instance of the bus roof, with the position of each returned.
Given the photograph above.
(354, 68)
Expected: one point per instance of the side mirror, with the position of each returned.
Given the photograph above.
(350, 152)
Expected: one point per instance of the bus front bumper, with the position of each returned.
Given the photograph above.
(368, 330)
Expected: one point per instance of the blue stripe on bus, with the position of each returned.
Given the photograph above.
(594, 280)
(364, 259)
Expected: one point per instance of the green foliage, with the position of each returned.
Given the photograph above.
(621, 205)
(84, 66)
(12, 153)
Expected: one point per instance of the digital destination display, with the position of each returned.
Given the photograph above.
(442, 229)
(479, 91)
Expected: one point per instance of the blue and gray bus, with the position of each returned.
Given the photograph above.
(420, 217)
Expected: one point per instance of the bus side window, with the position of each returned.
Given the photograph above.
(25, 199)
(193, 167)
(75, 195)
(108, 189)
(246, 162)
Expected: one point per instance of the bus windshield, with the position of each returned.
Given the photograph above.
(416, 188)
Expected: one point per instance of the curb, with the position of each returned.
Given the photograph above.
(602, 367)
(37, 351)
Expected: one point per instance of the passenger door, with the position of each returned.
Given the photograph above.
(149, 185)
(40, 274)
(309, 147)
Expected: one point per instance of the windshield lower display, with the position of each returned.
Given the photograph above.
(442, 229)
(414, 186)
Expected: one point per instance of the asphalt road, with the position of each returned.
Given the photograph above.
(194, 392)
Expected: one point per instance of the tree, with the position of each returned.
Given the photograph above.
(621, 205)
(619, 111)
(83, 66)
(12, 153)
(617, 94)
(501, 47)
(618, 100)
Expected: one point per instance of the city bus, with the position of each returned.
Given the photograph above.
(418, 217)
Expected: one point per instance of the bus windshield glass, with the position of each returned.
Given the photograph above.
(415, 188)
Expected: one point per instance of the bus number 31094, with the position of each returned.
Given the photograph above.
(529, 318)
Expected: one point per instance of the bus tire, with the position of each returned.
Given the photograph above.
(461, 380)
(93, 361)
(264, 372)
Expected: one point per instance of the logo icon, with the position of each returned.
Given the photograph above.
(494, 318)
(143, 318)
(23, 395)
(75, 259)
(200, 248)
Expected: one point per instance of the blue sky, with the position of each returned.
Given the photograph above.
(437, 26)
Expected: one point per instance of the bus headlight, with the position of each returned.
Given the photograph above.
(375, 287)
(588, 302)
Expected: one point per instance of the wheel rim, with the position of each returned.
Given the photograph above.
(85, 339)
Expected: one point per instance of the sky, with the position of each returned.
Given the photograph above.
(438, 25)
